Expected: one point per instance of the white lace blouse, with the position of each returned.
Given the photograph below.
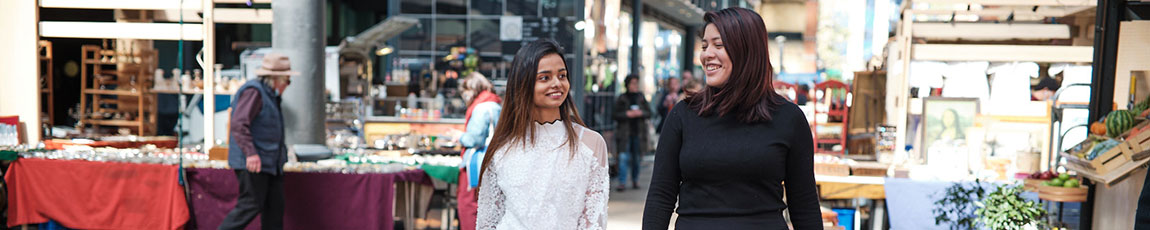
(544, 186)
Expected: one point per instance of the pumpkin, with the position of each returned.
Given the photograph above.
(1098, 129)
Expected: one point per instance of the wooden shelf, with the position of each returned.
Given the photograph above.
(1111, 178)
(134, 98)
(172, 91)
(133, 123)
(98, 62)
(112, 92)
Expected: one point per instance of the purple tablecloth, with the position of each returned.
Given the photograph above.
(312, 200)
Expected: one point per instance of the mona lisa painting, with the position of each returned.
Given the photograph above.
(947, 121)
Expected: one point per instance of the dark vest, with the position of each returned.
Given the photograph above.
(267, 132)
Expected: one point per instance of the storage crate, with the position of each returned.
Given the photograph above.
(869, 169)
(1139, 143)
(832, 169)
(1105, 162)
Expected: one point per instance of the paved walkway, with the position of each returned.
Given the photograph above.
(625, 209)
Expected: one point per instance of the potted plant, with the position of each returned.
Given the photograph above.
(957, 206)
(1004, 209)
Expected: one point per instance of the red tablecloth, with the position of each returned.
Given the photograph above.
(95, 195)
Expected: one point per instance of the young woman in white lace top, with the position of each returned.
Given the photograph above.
(544, 169)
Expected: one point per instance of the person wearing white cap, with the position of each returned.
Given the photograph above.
(256, 148)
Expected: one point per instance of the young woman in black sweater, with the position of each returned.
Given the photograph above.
(726, 151)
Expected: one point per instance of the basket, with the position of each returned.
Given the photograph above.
(869, 169)
(832, 169)
(1032, 184)
(1061, 194)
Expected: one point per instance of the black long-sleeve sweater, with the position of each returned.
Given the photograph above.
(726, 174)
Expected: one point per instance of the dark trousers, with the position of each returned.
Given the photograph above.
(259, 193)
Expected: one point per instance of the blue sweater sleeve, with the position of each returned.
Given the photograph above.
(485, 115)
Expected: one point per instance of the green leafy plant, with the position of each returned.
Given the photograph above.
(1004, 209)
(957, 205)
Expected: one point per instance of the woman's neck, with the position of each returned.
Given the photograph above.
(547, 115)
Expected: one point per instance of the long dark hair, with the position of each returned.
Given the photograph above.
(749, 93)
(514, 125)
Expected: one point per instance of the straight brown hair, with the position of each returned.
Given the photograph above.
(749, 93)
(515, 122)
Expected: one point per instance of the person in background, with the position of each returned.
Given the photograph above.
(729, 152)
(483, 108)
(1044, 90)
(672, 96)
(631, 114)
(803, 94)
(544, 168)
(688, 77)
(256, 148)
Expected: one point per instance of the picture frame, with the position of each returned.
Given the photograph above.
(946, 121)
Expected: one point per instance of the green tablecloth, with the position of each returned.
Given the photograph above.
(449, 174)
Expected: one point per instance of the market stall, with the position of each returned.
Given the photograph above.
(314, 200)
(967, 97)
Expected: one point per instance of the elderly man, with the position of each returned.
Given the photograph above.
(256, 148)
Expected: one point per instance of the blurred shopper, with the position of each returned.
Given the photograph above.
(545, 169)
(726, 151)
(256, 148)
(631, 114)
(482, 114)
(1044, 90)
(674, 90)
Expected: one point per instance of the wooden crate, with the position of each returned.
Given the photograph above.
(832, 169)
(869, 169)
(1061, 194)
(1105, 162)
(1140, 143)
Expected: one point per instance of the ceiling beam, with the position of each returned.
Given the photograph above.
(1002, 53)
(1013, 2)
(137, 4)
(121, 30)
(990, 31)
(222, 15)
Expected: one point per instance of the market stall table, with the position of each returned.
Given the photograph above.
(95, 195)
(313, 200)
(161, 142)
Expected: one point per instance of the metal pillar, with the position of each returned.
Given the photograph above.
(297, 32)
(636, 24)
(1106, 30)
(689, 49)
(209, 74)
(578, 92)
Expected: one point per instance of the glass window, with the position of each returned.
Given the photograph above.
(487, 7)
(523, 7)
(557, 8)
(417, 37)
(485, 35)
(415, 6)
(450, 6)
(450, 33)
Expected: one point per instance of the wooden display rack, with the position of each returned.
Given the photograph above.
(120, 83)
(47, 105)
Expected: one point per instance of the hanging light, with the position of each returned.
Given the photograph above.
(383, 51)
